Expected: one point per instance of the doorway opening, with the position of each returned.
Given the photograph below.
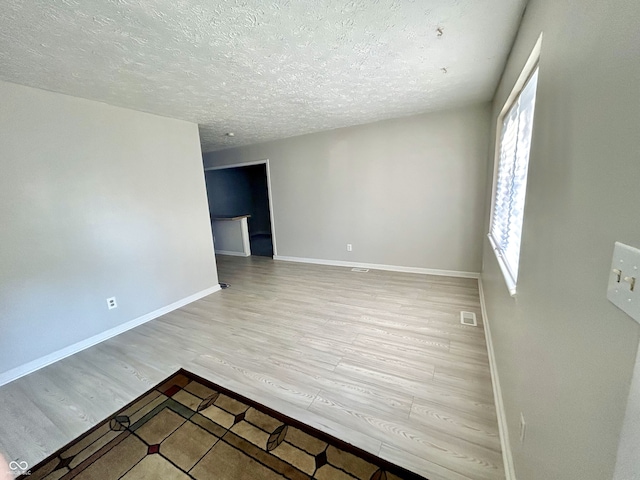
(244, 190)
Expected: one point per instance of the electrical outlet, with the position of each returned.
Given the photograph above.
(523, 427)
(111, 303)
(349, 247)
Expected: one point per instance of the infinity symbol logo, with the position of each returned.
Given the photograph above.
(18, 465)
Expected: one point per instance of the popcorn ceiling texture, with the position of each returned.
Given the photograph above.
(262, 69)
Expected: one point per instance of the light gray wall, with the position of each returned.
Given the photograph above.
(97, 201)
(404, 192)
(564, 353)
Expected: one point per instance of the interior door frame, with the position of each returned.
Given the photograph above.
(271, 214)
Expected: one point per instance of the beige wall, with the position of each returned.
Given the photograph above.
(405, 192)
(97, 201)
(565, 355)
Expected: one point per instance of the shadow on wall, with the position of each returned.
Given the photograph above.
(243, 191)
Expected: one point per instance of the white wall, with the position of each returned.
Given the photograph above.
(404, 192)
(97, 201)
(565, 355)
(628, 461)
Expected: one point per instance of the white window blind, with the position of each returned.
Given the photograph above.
(511, 181)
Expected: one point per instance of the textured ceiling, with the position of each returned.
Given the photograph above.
(261, 69)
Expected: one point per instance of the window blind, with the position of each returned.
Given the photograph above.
(511, 181)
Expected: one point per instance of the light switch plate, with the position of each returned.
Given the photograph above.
(626, 260)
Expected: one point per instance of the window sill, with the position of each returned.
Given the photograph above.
(508, 279)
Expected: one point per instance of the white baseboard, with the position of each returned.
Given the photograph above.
(22, 370)
(507, 457)
(376, 266)
(235, 254)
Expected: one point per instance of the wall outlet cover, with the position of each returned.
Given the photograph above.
(111, 303)
(523, 427)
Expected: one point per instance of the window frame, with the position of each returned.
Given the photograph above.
(530, 67)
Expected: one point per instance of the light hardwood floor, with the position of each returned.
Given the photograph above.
(378, 359)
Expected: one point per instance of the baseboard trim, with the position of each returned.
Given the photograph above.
(30, 367)
(376, 266)
(507, 457)
(235, 254)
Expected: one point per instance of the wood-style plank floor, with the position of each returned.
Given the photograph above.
(378, 359)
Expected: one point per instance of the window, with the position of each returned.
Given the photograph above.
(512, 159)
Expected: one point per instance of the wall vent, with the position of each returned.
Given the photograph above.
(468, 318)
(360, 270)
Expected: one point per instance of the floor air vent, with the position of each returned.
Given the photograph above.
(468, 318)
(360, 270)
